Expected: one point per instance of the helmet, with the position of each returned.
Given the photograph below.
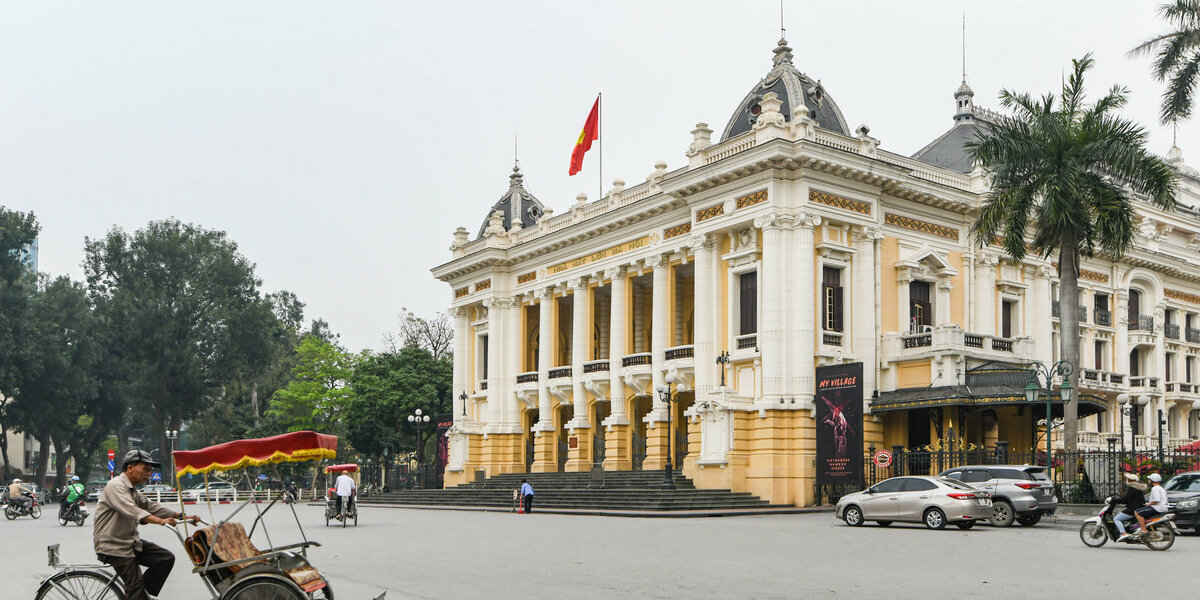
(16, 481)
(74, 478)
(1131, 477)
(1155, 477)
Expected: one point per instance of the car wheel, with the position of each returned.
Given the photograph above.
(935, 518)
(884, 523)
(1029, 520)
(1002, 513)
(853, 516)
(965, 524)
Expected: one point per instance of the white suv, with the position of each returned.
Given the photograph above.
(1020, 493)
(217, 491)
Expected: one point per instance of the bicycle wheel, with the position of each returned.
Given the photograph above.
(265, 588)
(71, 585)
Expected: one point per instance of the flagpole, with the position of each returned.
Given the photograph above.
(600, 135)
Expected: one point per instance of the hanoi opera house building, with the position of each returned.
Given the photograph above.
(792, 242)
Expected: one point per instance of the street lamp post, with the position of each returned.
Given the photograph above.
(1061, 368)
(723, 359)
(463, 400)
(1161, 422)
(172, 435)
(664, 392)
(416, 419)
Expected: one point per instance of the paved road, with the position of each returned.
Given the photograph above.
(451, 554)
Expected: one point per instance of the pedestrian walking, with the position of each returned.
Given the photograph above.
(527, 495)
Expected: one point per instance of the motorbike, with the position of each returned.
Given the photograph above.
(1159, 534)
(76, 513)
(14, 509)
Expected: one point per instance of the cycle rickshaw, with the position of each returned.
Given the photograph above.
(350, 509)
(228, 563)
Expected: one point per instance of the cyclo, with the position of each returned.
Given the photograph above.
(350, 507)
(228, 562)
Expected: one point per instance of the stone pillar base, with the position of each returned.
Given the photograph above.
(656, 447)
(543, 453)
(502, 453)
(579, 458)
(616, 448)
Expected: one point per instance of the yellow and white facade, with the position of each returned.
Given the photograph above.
(792, 243)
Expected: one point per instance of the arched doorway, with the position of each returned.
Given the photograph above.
(682, 402)
(639, 407)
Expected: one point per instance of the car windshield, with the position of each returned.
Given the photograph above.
(1184, 483)
(958, 485)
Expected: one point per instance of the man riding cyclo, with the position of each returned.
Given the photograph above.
(120, 510)
(345, 490)
(71, 494)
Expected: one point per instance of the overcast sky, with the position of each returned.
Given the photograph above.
(340, 143)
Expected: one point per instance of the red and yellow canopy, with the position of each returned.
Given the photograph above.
(346, 468)
(289, 447)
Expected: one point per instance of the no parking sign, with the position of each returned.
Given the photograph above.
(883, 459)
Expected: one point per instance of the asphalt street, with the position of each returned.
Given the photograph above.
(453, 554)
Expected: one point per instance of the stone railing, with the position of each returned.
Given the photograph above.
(559, 372)
(633, 360)
(728, 148)
(1093, 378)
(596, 366)
(1144, 382)
(744, 342)
(831, 338)
(530, 377)
(678, 352)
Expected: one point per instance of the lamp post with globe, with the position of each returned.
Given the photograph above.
(416, 420)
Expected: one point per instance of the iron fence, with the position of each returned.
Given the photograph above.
(1097, 474)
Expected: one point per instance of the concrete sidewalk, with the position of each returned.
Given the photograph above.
(734, 512)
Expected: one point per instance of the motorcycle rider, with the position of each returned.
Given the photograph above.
(17, 493)
(1133, 499)
(70, 496)
(1156, 504)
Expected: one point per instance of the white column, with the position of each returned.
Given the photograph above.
(903, 310)
(704, 296)
(941, 305)
(514, 345)
(459, 315)
(804, 315)
(985, 294)
(1038, 324)
(618, 327)
(495, 358)
(547, 327)
(659, 327)
(1121, 337)
(580, 333)
(772, 318)
(862, 314)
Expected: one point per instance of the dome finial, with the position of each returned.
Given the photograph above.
(783, 53)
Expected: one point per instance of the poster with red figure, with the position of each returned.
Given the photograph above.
(839, 402)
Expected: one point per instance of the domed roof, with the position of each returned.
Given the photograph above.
(791, 86)
(516, 204)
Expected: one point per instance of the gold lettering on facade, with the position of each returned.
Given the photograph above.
(595, 256)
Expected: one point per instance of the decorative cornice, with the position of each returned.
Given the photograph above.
(950, 233)
(526, 277)
(839, 202)
(751, 199)
(705, 214)
(1181, 295)
(595, 256)
(677, 230)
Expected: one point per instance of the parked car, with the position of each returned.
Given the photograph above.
(1183, 499)
(158, 490)
(934, 501)
(1020, 493)
(94, 488)
(216, 491)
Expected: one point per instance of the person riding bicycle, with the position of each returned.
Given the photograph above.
(1133, 499)
(71, 495)
(19, 494)
(120, 510)
(345, 487)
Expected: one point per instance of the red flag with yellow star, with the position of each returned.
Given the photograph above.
(590, 133)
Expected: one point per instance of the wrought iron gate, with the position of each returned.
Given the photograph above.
(598, 446)
(638, 447)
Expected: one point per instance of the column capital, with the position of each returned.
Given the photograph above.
(578, 283)
(700, 241)
(654, 261)
(505, 302)
(455, 312)
(543, 293)
(802, 220)
(772, 220)
(489, 302)
(904, 274)
(614, 272)
(986, 260)
(867, 233)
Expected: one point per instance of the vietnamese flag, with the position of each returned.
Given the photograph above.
(590, 133)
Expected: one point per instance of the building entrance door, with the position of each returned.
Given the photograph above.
(637, 429)
(565, 414)
(600, 411)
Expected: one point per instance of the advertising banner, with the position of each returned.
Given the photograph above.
(839, 402)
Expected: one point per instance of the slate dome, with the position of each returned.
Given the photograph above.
(517, 205)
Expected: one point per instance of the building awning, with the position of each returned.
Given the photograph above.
(989, 385)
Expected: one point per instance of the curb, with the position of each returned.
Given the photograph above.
(788, 510)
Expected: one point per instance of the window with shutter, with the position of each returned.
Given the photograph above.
(748, 303)
(832, 296)
(920, 312)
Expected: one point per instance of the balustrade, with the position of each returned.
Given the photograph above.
(596, 366)
(530, 377)
(679, 352)
(749, 340)
(560, 372)
(633, 360)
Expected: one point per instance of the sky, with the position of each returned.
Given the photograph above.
(340, 143)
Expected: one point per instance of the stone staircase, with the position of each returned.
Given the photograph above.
(615, 491)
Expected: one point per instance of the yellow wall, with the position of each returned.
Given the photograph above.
(958, 301)
(889, 253)
(914, 374)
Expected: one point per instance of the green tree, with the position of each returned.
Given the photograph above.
(187, 308)
(1069, 170)
(318, 395)
(387, 388)
(1176, 58)
(17, 284)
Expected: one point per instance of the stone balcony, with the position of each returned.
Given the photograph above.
(1144, 385)
(953, 340)
(1101, 381)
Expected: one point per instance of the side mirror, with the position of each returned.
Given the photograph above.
(869, 491)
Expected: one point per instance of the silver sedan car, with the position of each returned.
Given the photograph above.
(934, 501)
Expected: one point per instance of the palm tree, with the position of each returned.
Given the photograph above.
(1176, 58)
(1069, 170)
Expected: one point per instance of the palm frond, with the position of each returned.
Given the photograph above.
(1177, 98)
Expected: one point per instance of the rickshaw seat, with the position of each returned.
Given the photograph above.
(232, 543)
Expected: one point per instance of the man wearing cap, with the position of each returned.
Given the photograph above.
(1156, 504)
(120, 510)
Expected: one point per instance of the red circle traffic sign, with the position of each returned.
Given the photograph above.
(883, 458)
(112, 454)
